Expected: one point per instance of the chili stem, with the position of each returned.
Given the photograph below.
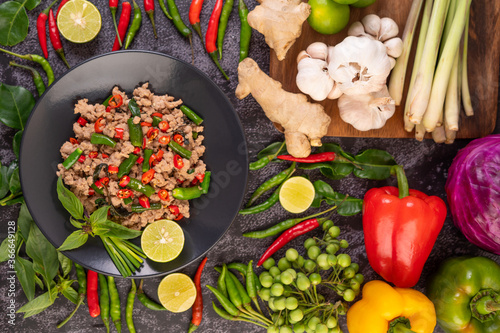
(404, 190)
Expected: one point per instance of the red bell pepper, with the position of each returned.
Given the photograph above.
(400, 228)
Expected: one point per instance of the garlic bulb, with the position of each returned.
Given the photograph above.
(384, 30)
(367, 112)
(359, 65)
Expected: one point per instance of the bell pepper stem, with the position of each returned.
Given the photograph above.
(400, 325)
(484, 305)
(400, 328)
(404, 189)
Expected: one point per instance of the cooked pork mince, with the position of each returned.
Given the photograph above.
(161, 121)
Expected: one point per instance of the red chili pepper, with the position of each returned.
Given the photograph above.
(194, 16)
(124, 181)
(163, 126)
(148, 176)
(211, 37)
(145, 123)
(163, 194)
(157, 114)
(140, 160)
(81, 159)
(179, 217)
(104, 155)
(119, 133)
(136, 151)
(152, 160)
(41, 27)
(112, 169)
(159, 155)
(99, 125)
(179, 139)
(144, 142)
(164, 140)
(144, 201)
(113, 6)
(124, 193)
(98, 184)
(149, 8)
(104, 180)
(123, 24)
(55, 39)
(108, 108)
(93, 154)
(63, 2)
(92, 298)
(313, 158)
(178, 162)
(400, 228)
(91, 191)
(200, 177)
(174, 209)
(287, 236)
(73, 141)
(116, 101)
(82, 121)
(152, 133)
(198, 302)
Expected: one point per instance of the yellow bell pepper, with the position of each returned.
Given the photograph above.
(386, 309)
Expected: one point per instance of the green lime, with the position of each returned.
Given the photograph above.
(296, 194)
(177, 292)
(363, 3)
(79, 21)
(162, 240)
(327, 16)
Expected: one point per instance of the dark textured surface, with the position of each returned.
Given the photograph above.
(426, 165)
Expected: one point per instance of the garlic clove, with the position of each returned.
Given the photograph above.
(356, 29)
(388, 29)
(318, 50)
(393, 62)
(372, 24)
(329, 58)
(313, 78)
(394, 47)
(335, 92)
(302, 55)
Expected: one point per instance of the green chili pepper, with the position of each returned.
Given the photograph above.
(72, 158)
(242, 268)
(233, 292)
(245, 31)
(139, 209)
(177, 148)
(191, 115)
(134, 108)
(104, 301)
(39, 60)
(205, 184)
(128, 201)
(223, 314)
(195, 135)
(127, 165)
(136, 24)
(145, 300)
(245, 299)
(101, 139)
(37, 78)
(270, 183)
(137, 185)
(130, 308)
(156, 121)
(164, 9)
(114, 305)
(280, 227)
(264, 160)
(259, 164)
(147, 156)
(273, 199)
(251, 284)
(224, 18)
(177, 20)
(221, 281)
(81, 277)
(189, 193)
(224, 301)
(106, 102)
(97, 189)
(135, 132)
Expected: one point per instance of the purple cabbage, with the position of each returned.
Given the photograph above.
(473, 190)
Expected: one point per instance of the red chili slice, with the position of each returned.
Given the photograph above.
(163, 194)
(112, 169)
(99, 125)
(159, 155)
(82, 121)
(93, 154)
(119, 133)
(180, 216)
(115, 101)
(98, 184)
(124, 181)
(91, 191)
(124, 193)
(157, 114)
(163, 126)
(164, 140)
(179, 139)
(140, 160)
(137, 150)
(148, 176)
(104, 180)
(108, 108)
(145, 123)
(200, 177)
(73, 141)
(178, 162)
(152, 161)
(144, 201)
(81, 159)
(152, 133)
(104, 155)
(174, 209)
(144, 142)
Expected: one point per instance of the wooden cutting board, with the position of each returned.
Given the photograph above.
(484, 64)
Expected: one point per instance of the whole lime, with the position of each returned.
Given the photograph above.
(346, 2)
(327, 16)
(363, 3)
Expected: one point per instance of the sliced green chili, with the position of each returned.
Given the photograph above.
(106, 102)
(101, 139)
(127, 165)
(189, 193)
(145, 163)
(135, 131)
(134, 108)
(195, 135)
(139, 209)
(128, 201)
(72, 158)
(97, 189)
(136, 185)
(156, 121)
(177, 148)
(205, 184)
(195, 118)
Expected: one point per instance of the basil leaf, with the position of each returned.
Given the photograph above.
(69, 200)
(345, 207)
(70, 294)
(332, 170)
(16, 142)
(14, 23)
(30, 4)
(99, 216)
(271, 150)
(4, 181)
(14, 201)
(4, 250)
(13, 166)
(44, 255)
(26, 276)
(119, 231)
(39, 282)
(376, 164)
(65, 263)
(16, 103)
(76, 223)
(74, 240)
(24, 222)
(14, 183)
(38, 304)
(333, 147)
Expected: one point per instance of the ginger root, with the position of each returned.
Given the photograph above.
(304, 123)
(280, 21)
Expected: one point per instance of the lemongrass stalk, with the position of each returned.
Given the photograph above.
(419, 98)
(452, 101)
(448, 24)
(424, 26)
(445, 64)
(439, 135)
(450, 135)
(419, 132)
(398, 74)
(466, 100)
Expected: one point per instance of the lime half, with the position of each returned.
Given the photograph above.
(162, 240)
(79, 21)
(296, 194)
(177, 292)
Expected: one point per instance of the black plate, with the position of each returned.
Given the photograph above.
(50, 124)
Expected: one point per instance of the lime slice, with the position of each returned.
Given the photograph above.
(177, 292)
(162, 240)
(296, 194)
(79, 21)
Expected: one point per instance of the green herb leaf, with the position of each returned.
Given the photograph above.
(76, 223)
(14, 23)
(14, 183)
(4, 250)
(271, 150)
(16, 200)
(24, 222)
(44, 255)
(39, 282)
(119, 231)
(38, 304)
(30, 4)
(69, 200)
(99, 216)
(16, 102)
(70, 294)
(376, 164)
(4, 181)
(345, 207)
(74, 240)
(16, 142)
(26, 276)
(65, 263)
(332, 170)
